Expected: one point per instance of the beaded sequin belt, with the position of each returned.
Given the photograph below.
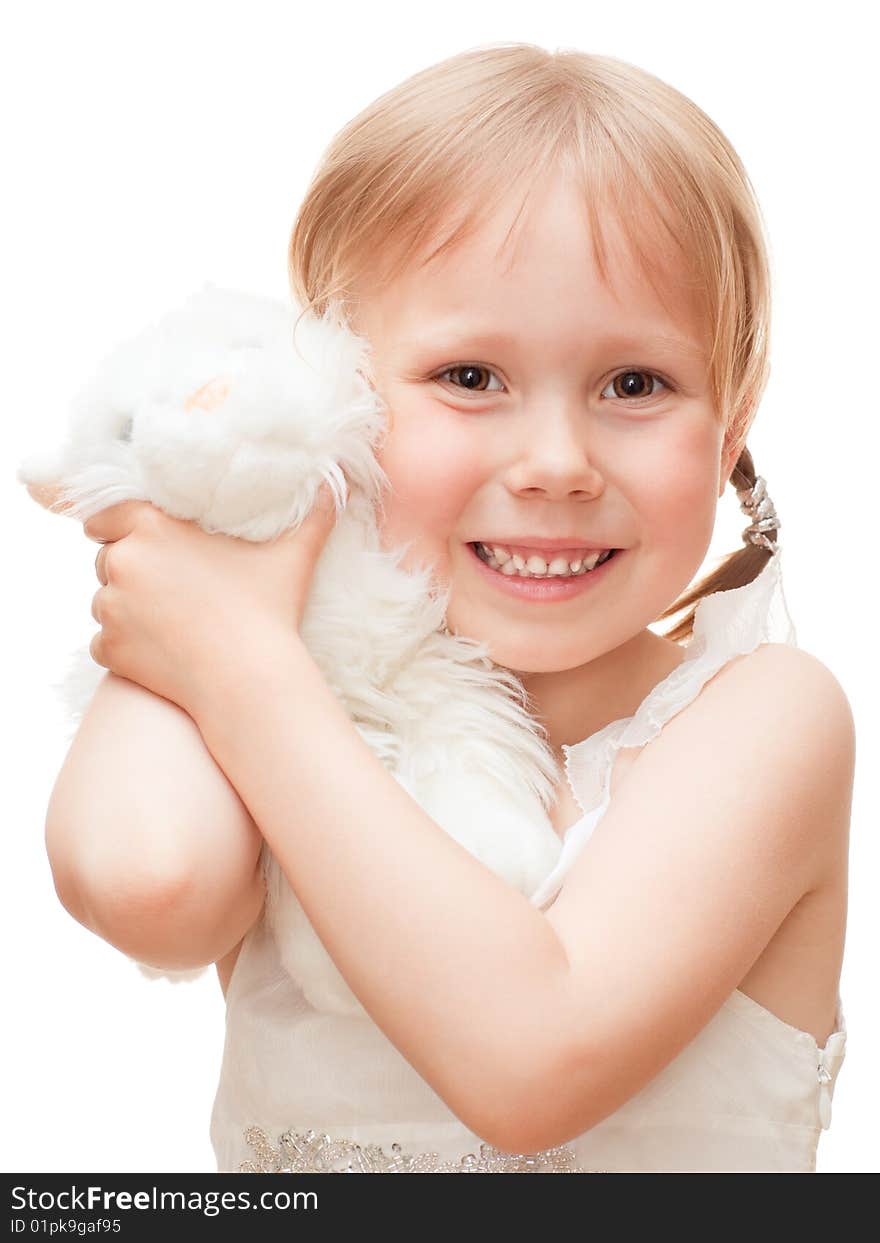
(310, 1152)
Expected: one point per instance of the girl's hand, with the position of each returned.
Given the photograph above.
(177, 603)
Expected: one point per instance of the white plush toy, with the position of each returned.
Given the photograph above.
(452, 727)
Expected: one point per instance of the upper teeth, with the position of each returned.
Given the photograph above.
(535, 566)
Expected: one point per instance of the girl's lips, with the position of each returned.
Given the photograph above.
(543, 589)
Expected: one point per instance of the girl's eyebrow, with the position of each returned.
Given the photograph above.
(450, 342)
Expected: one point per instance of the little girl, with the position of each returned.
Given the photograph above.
(559, 264)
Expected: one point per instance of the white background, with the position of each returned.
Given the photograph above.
(149, 147)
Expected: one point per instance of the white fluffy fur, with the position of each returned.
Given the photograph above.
(452, 727)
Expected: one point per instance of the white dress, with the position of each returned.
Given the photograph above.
(307, 1091)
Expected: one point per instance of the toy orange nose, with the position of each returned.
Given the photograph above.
(209, 395)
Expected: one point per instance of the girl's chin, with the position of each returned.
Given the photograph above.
(520, 656)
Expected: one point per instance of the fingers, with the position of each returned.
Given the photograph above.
(96, 652)
(115, 521)
(318, 522)
(47, 495)
(109, 524)
(100, 566)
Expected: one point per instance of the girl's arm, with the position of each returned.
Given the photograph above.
(150, 846)
(533, 1027)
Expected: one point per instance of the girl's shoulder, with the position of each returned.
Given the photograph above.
(786, 658)
(725, 708)
(797, 681)
(783, 697)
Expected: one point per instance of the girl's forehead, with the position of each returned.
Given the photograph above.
(557, 262)
(551, 268)
(607, 237)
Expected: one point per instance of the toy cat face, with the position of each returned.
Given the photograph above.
(217, 415)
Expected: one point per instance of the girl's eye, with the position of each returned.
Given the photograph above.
(471, 373)
(631, 385)
(635, 384)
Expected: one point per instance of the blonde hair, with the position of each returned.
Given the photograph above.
(507, 114)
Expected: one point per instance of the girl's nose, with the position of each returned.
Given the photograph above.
(554, 456)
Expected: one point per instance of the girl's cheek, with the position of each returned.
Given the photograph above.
(674, 481)
(433, 473)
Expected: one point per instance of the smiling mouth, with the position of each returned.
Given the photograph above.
(536, 566)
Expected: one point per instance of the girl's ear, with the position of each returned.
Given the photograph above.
(728, 463)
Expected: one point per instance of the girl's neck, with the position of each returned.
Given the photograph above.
(576, 703)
